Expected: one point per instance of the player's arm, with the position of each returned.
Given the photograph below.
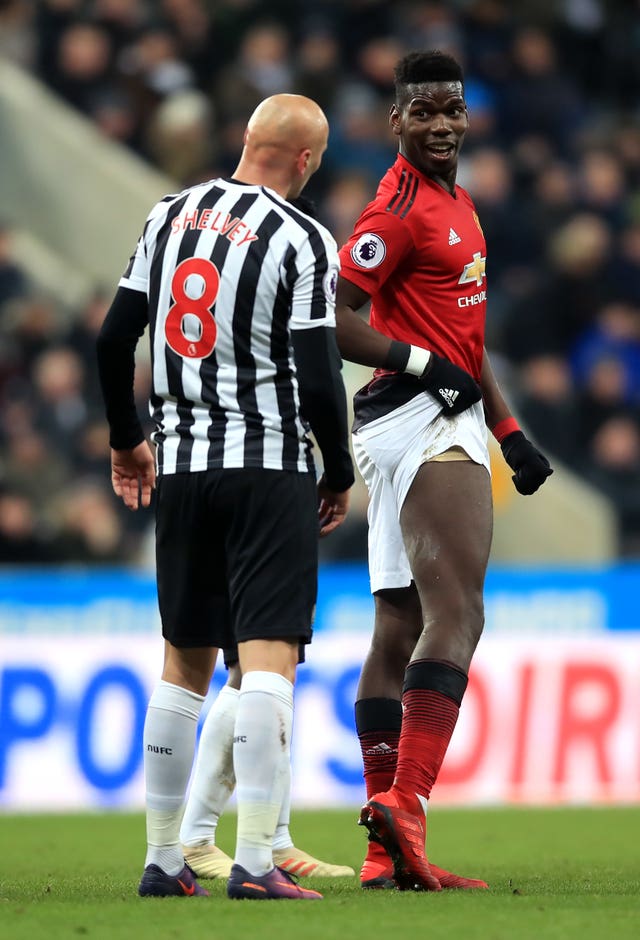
(323, 404)
(361, 343)
(530, 465)
(132, 463)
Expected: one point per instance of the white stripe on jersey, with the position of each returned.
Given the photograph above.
(235, 404)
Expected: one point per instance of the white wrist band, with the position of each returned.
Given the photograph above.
(418, 361)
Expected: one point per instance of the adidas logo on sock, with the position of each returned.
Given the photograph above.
(449, 395)
(454, 238)
(382, 748)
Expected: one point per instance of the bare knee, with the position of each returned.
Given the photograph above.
(453, 624)
(398, 624)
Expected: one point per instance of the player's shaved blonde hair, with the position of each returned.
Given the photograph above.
(286, 122)
(283, 144)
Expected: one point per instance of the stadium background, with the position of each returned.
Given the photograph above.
(106, 105)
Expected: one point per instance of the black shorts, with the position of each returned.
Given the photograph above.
(236, 556)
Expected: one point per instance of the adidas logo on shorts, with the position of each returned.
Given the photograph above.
(449, 395)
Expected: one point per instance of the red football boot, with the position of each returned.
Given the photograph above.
(402, 834)
(451, 881)
(377, 871)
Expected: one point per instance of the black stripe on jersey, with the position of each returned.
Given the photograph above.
(414, 190)
(401, 185)
(280, 340)
(155, 277)
(209, 367)
(242, 330)
(175, 362)
(318, 301)
(406, 191)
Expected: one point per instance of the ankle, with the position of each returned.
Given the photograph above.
(409, 801)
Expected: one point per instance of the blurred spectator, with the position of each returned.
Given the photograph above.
(13, 280)
(614, 337)
(547, 405)
(263, 67)
(20, 542)
(565, 301)
(180, 135)
(538, 98)
(58, 376)
(625, 266)
(32, 469)
(431, 25)
(347, 194)
(602, 186)
(190, 21)
(318, 72)
(82, 67)
(32, 323)
(17, 39)
(360, 134)
(87, 524)
(552, 201)
(614, 468)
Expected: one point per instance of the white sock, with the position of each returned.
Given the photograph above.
(169, 741)
(213, 777)
(282, 838)
(261, 752)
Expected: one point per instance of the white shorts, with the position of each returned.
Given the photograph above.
(389, 451)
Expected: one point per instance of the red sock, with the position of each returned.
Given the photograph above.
(378, 723)
(379, 759)
(428, 724)
(431, 701)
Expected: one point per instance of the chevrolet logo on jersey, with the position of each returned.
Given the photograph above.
(474, 272)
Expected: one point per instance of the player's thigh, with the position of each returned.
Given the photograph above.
(272, 554)
(447, 524)
(190, 561)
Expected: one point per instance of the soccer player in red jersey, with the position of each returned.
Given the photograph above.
(420, 440)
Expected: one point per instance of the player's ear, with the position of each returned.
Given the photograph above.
(394, 120)
(303, 160)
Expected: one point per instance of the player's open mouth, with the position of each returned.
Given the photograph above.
(440, 151)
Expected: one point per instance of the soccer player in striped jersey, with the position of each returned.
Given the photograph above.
(238, 290)
(213, 779)
(420, 441)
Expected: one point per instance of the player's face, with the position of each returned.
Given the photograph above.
(431, 125)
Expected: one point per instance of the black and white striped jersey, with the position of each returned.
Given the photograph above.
(229, 270)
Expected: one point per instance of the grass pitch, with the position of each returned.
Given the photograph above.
(560, 873)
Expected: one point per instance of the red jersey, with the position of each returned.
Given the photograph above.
(420, 254)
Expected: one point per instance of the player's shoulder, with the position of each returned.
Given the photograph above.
(299, 216)
(165, 204)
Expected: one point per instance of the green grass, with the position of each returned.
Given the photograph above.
(560, 873)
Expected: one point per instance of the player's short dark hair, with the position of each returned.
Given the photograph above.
(418, 68)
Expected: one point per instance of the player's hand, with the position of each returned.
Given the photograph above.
(133, 475)
(450, 385)
(531, 467)
(332, 508)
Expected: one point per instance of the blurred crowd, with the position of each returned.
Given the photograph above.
(552, 160)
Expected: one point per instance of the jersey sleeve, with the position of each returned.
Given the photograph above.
(136, 275)
(313, 272)
(379, 244)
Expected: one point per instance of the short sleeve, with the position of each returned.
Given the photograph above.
(315, 279)
(379, 244)
(136, 276)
